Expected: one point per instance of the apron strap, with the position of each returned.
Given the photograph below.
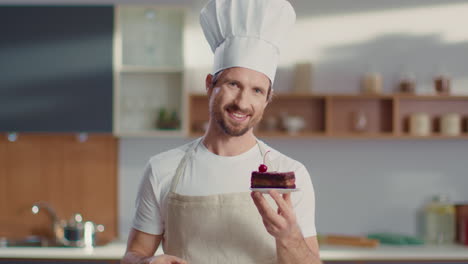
(181, 168)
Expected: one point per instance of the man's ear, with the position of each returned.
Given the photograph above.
(209, 84)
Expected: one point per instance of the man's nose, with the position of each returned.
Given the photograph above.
(241, 99)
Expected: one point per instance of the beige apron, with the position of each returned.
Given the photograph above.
(222, 228)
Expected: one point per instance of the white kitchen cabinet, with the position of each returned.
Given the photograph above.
(148, 71)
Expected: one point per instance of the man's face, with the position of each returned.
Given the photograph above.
(238, 99)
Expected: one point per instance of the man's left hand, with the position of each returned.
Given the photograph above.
(281, 224)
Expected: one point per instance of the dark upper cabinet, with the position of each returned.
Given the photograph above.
(56, 68)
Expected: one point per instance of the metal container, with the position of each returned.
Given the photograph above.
(77, 233)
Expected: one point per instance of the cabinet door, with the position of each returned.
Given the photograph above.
(56, 68)
(73, 174)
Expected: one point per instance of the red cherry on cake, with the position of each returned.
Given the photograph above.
(263, 167)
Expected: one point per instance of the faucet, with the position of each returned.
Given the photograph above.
(57, 229)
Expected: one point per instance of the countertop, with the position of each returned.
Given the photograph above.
(116, 250)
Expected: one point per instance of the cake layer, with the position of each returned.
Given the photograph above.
(284, 180)
(273, 175)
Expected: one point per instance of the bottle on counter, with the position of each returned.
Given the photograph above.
(439, 217)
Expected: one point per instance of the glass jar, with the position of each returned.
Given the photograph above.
(439, 217)
(407, 83)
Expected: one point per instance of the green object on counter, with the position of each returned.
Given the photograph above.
(396, 239)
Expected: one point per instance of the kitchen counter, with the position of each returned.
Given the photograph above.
(384, 252)
(116, 250)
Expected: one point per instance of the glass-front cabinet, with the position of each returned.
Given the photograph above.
(148, 71)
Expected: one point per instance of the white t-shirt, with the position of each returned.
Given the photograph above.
(208, 174)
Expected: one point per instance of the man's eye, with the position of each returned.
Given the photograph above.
(233, 84)
(258, 90)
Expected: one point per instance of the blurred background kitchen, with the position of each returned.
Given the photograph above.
(372, 96)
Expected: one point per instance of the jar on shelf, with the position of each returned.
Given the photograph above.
(439, 221)
(419, 124)
(450, 124)
(442, 84)
(371, 83)
(407, 83)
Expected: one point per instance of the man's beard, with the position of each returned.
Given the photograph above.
(236, 131)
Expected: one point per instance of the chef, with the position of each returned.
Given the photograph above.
(195, 199)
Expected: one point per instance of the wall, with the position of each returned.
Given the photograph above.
(361, 185)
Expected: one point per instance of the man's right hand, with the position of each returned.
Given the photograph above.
(166, 259)
(141, 248)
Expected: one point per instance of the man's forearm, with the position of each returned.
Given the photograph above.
(295, 251)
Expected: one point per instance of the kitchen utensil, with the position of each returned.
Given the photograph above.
(80, 234)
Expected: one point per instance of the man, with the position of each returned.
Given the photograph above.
(194, 198)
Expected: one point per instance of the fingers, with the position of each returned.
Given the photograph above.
(268, 214)
(287, 198)
(284, 203)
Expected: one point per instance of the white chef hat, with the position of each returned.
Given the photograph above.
(246, 33)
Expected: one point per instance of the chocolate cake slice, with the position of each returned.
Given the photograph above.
(283, 180)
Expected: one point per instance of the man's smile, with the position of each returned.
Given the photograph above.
(237, 116)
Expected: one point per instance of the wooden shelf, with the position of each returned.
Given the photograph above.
(337, 115)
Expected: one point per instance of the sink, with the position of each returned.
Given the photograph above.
(30, 241)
